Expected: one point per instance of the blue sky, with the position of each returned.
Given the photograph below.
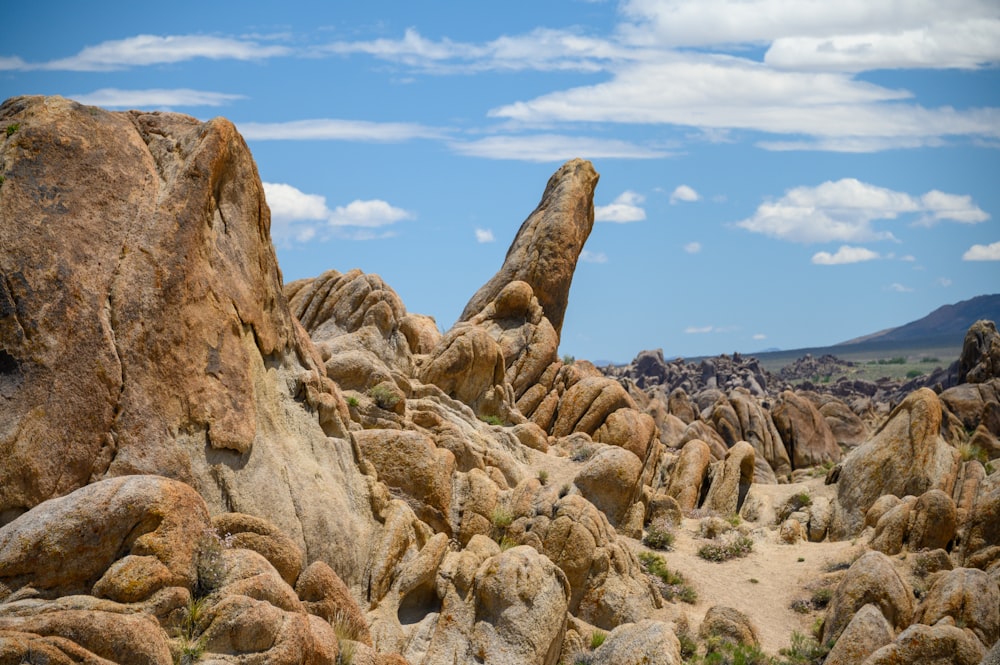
(774, 173)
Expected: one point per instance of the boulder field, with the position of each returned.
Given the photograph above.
(201, 463)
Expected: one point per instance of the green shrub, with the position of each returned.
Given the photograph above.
(543, 477)
(803, 651)
(672, 585)
(821, 598)
(729, 549)
(914, 373)
(724, 652)
(384, 396)
(564, 490)
(352, 401)
(597, 639)
(582, 454)
(659, 536)
(802, 606)
(930, 359)
(568, 359)
(13, 128)
(492, 420)
(971, 452)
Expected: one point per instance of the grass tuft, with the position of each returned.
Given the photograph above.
(730, 548)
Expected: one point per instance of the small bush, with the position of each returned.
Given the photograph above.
(671, 584)
(803, 651)
(802, 606)
(543, 477)
(564, 490)
(730, 549)
(930, 359)
(582, 454)
(209, 562)
(492, 420)
(501, 517)
(383, 396)
(659, 536)
(568, 359)
(914, 373)
(971, 452)
(13, 128)
(821, 598)
(724, 652)
(352, 401)
(597, 639)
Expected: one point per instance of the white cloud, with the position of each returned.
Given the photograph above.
(484, 235)
(952, 207)
(332, 129)
(698, 330)
(989, 252)
(593, 257)
(155, 97)
(541, 49)
(899, 288)
(712, 92)
(692, 247)
(846, 210)
(368, 214)
(625, 208)
(298, 217)
(819, 34)
(759, 336)
(944, 281)
(846, 254)
(145, 50)
(684, 193)
(553, 148)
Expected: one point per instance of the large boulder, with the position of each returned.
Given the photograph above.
(804, 431)
(67, 545)
(731, 480)
(870, 579)
(141, 294)
(610, 481)
(941, 644)
(905, 456)
(689, 474)
(968, 596)
(867, 632)
(980, 358)
(548, 244)
(644, 643)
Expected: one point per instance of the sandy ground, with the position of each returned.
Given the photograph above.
(784, 573)
(762, 585)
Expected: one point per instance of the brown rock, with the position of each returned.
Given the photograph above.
(905, 456)
(867, 632)
(930, 645)
(731, 480)
(468, 365)
(66, 545)
(86, 636)
(628, 429)
(588, 403)
(934, 522)
(804, 431)
(980, 358)
(324, 594)
(174, 351)
(520, 601)
(548, 244)
(848, 429)
(411, 463)
(728, 624)
(259, 535)
(609, 480)
(870, 579)
(644, 643)
(981, 542)
(688, 475)
(527, 341)
(968, 596)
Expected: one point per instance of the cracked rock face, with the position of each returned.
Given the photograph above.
(144, 329)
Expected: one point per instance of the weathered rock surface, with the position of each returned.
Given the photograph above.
(548, 244)
(905, 456)
(970, 598)
(804, 431)
(149, 306)
(867, 632)
(870, 579)
(980, 358)
(941, 644)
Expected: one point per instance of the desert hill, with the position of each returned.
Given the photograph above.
(201, 463)
(946, 322)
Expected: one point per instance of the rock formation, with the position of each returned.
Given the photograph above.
(199, 461)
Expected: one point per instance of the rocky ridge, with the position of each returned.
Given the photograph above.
(200, 463)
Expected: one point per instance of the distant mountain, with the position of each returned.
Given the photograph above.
(949, 321)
